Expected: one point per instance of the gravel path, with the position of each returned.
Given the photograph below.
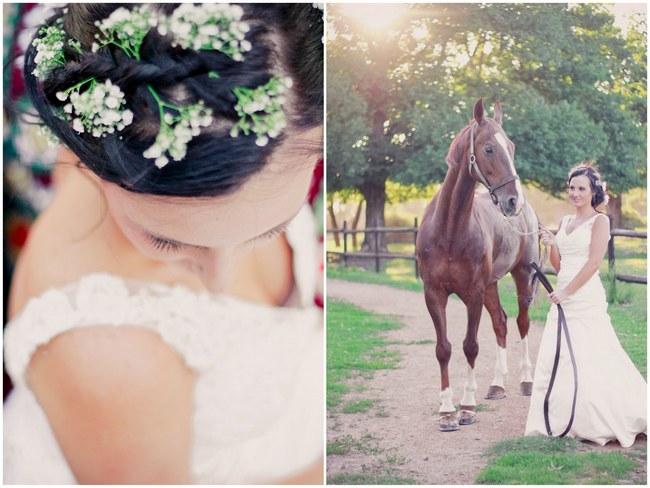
(400, 435)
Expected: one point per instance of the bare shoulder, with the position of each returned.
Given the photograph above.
(601, 220)
(119, 401)
(57, 250)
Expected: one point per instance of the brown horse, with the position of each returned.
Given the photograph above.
(466, 243)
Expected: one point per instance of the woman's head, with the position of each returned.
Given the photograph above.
(156, 77)
(224, 193)
(587, 173)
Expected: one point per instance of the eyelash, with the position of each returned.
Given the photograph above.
(168, 246)
(163, 245)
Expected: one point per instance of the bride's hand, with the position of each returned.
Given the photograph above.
(546, 236)
(558, 295)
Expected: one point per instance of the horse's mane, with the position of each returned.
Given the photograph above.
(458, 146)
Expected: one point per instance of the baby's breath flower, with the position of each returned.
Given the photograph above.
(49, 50)
(260, 110)
(52, 140)
(126, 29)
(215, 26)
(176, 131)
(98, 110)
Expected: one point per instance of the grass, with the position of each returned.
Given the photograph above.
(629, 318)
(553, 461)
(359, 406)
(369, 479)
(378, 471)
(355, 350)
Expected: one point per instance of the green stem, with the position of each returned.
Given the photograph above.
(81, 84)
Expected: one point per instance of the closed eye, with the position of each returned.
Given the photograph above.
(165, 245)
(276, 231)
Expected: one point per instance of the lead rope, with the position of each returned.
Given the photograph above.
(543, 247)
(561, 325)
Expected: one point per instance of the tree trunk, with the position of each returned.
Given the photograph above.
(375, 195)
(330, 210)
(615, 209)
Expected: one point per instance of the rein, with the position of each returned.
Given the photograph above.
(561, 324)
(474, 165)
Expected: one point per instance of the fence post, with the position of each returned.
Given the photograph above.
(345, 243)
(377, 264)
(415, 241)
(611, 253)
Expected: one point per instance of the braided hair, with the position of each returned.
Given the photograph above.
(285, 38)
(598, 185)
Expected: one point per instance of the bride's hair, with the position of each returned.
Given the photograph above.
(284, 39)
(598, 185)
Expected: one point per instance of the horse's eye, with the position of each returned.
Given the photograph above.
(488, 150)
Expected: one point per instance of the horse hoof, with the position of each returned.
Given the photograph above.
(448, 422)
(467, 415)
(526, 388)
(495, 393)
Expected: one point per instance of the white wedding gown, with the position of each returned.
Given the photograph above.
(612, 394)
(258, 396)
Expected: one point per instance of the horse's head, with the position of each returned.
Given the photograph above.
(491, 160)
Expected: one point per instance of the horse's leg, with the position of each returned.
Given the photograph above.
(492, 302)
(474, 305)
(525, 295)
(436, 301)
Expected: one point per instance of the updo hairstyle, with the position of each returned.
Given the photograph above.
(598, 185)
(285, 39)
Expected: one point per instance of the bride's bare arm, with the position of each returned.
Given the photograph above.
(597, 250)
(119, 401)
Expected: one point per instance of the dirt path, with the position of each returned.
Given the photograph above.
(400, 434)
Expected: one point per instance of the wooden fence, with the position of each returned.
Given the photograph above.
(377, 255)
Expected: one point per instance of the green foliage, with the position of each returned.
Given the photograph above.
(553, 461)
(572, 87)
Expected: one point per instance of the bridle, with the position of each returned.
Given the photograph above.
(472, 164)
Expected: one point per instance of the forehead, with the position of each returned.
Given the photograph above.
(580, 180)
(492, 130)
(266, 200)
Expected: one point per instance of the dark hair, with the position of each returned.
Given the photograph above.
(285, 38)
(598, 185)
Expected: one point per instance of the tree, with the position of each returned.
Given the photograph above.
(572, 87)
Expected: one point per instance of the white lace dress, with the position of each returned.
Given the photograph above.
(258, 395)
(612, 395)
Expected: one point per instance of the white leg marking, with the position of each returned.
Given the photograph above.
(446, 405)
(501, 369)
(470, 387)
(525, 365)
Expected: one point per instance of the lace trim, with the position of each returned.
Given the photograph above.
(183, 318)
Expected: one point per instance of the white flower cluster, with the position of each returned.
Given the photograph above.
(97, 110)
(208, 26)
(260, 109)
(126, 28)
(177, 131)
(49, 50)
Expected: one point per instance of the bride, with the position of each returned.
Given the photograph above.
(611, 396)
(162, 319)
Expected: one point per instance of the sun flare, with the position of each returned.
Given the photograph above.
(373, 17)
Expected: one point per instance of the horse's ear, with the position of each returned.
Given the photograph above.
(478, 111)
(498, 113)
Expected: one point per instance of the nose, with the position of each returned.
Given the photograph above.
(509, 206)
